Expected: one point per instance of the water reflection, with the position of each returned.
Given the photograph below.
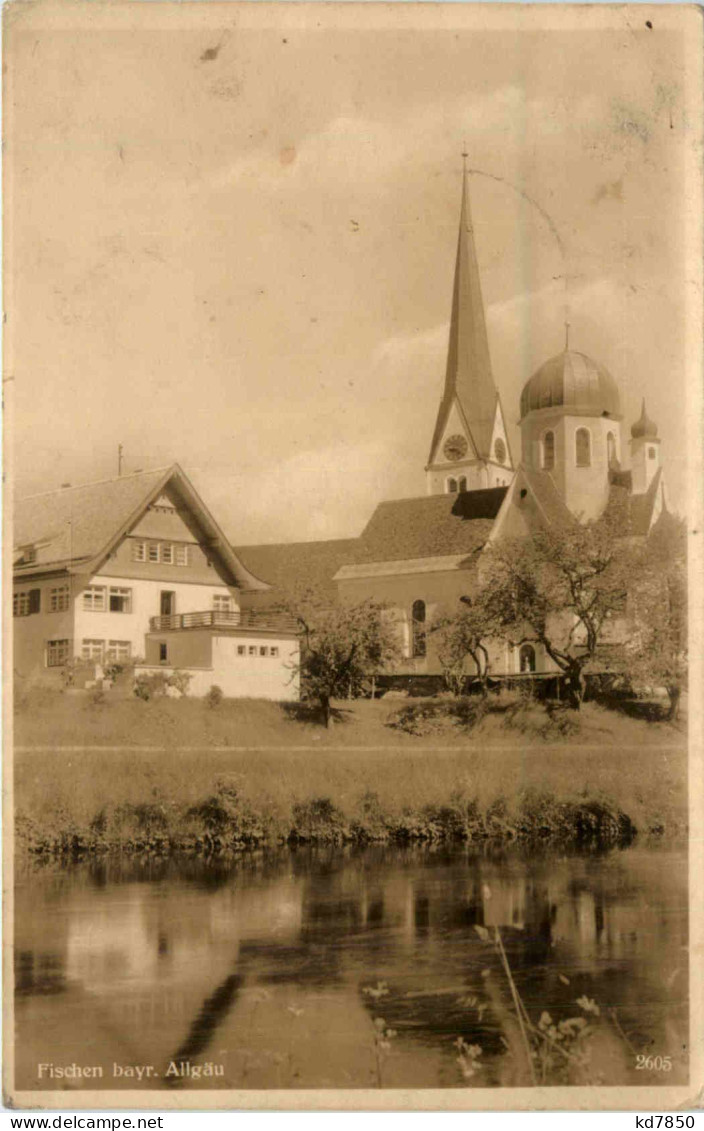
(274, 968)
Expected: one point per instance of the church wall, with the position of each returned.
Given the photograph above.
(441, 593)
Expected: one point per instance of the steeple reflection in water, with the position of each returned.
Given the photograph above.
(276, 966)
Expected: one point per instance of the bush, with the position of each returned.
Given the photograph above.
(215, 696)
(434, 715)
(152, 685)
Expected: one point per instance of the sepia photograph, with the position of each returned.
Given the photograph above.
(353, 464)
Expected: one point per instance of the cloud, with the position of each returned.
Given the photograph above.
(324, 492)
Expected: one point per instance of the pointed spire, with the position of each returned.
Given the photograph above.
(468, 375)
(644, 427)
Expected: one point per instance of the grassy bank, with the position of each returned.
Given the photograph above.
(517, 773)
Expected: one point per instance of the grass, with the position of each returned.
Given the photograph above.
(518, 771)
(52, 718)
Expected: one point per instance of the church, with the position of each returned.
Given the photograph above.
(137, 568)
(418, 556)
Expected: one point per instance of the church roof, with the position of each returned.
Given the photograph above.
(575, 381)
(549, 500)
(292, 567)
(468, 375)
(641, 507)
(75, 528)
(429, 526)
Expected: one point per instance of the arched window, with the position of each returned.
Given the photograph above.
(452, 486)
(462, 485)
(583, 447)
(418, 629)
(610, 447)
(548, 451)
(500, 450)
(526, 658)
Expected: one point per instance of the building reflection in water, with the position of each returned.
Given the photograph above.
(168, 954)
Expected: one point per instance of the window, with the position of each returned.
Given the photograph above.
(252, 650)
(92, 650)
(500, 450)
(526, 658)
(57, 653)
(548, 451)
(241, 650)
(452, 486)
(120, 600)
(162, 653)
(26, 601)
(263, 650)
(462, 484)
(168, 553)
(29, 555)
(583, 447)
(274, 651)
(651, 453)
(418, 629)
(94, 599)
(58, 599)
(610, 448)
(118, 650)
(222, 602)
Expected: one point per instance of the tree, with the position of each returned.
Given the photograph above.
(467, 633)
(656, 652)
(342, 647)
(560, 587)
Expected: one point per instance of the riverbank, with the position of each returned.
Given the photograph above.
(605, 780)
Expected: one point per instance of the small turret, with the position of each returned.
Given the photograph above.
(645, 452)
(644, 427)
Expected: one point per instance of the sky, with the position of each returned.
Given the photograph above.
(230, 241)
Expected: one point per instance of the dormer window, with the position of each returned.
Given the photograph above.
(583, 447)
(548, 451)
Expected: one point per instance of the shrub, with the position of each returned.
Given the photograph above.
(215, 696)
(152, 685)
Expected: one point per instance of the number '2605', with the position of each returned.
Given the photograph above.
(653, 1063)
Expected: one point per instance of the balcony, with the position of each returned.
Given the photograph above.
(247, 619)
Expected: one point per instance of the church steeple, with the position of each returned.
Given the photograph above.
(470, 432)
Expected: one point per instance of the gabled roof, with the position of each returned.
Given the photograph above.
(468, 378)
(549, 500)
(430, 526)
(75, 528)
(641, 507)
(545, 505)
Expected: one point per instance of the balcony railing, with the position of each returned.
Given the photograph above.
(216, 618)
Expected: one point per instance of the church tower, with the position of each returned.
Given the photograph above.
(645, 452)
(470, 448)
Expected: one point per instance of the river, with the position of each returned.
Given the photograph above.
(377, 967)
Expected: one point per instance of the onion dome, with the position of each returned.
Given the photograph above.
(644, 427)
(575, 382)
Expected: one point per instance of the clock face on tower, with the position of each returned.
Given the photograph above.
(455, 447)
